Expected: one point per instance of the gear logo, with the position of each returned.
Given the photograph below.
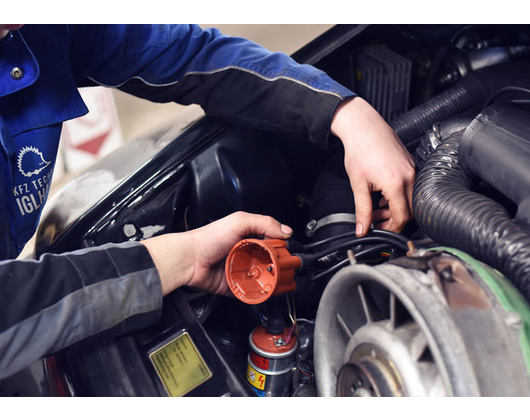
(30, 161)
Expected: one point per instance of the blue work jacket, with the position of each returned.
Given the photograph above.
(41, 68)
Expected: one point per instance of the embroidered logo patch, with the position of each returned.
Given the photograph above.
(30, 161)
(31, 195)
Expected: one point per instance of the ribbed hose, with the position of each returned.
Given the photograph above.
(452, 215)
(470, 93)
(417, 121)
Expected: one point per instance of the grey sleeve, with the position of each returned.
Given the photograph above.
(59, 300)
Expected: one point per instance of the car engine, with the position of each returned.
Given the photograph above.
(428, 312)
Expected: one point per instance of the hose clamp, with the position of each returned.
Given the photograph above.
(315, 225)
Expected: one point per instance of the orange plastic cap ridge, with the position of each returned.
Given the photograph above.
(257, 269)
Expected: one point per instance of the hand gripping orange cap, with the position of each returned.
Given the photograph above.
(257, 269)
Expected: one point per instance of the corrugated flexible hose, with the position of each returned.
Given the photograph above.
(451, 214)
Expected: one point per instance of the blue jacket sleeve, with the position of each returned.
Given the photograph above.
(231, 78)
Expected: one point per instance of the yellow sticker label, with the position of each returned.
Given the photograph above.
(256, 379)
(180, 366)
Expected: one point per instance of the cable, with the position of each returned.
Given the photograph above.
(507, 89)
(360, 241)
(346, 261)
(378, 232)
(393, 235)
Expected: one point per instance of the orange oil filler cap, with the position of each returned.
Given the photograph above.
(257, 269)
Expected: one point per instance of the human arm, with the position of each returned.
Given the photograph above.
(375, 160)
(229, 77)
(241, 82)
(59, 300)
(196, 258)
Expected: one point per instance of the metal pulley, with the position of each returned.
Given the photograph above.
(435, 323)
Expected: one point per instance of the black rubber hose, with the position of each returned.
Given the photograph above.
(452, 215)
(418, 120)
(332, 192)
(470, 93)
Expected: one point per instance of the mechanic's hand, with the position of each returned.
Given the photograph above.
(196, 258)
(375, 160)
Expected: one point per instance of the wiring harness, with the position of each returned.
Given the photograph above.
(323, 258)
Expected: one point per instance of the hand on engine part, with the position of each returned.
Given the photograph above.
(375, 160)
(196, 258)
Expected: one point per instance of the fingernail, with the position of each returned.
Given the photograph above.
(286, 229)
(358, 229)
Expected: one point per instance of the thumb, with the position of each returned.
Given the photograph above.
(363, 209)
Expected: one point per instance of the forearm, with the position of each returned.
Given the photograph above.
(375, 160)
(55, 302)
(174, 258)
(231, 78)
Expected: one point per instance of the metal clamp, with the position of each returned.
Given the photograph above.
(314, 225)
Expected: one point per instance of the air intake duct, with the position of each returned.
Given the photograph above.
(470, 93)
(451, 214)
(496, 148)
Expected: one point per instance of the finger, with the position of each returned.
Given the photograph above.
(399, 210)
(247, 224)
(385, 225)
(380, 215)
(363, 208)
(383, 202)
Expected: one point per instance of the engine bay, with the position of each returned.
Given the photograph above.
(428, 312)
